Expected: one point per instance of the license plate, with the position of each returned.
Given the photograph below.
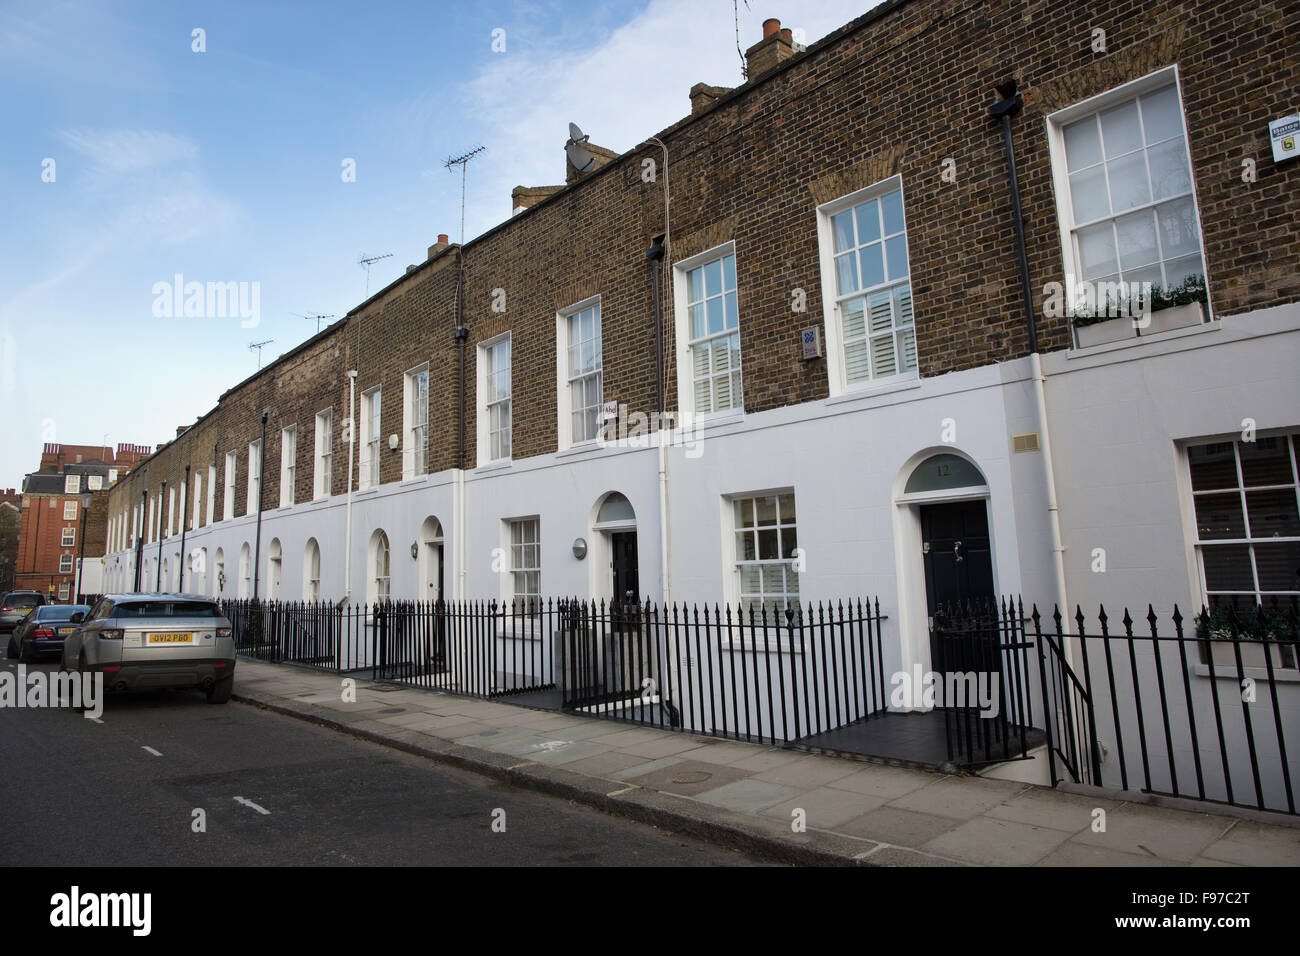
(172, 637)
(66, 630)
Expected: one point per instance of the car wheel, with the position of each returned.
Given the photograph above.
(219, 692)
(11, 651)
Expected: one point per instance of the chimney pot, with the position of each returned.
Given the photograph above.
(442, 238)
(771, 25)
(788, 34)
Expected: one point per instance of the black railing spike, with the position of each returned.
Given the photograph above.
(1101, 614)
(1056, 616)
(1127, 620)
(1151, 617)
(1079, 618)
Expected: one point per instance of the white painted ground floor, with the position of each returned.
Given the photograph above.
(906, 493)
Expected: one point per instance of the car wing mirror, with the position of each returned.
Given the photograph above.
(78, 617)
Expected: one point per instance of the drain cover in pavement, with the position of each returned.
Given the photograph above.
(691, 776)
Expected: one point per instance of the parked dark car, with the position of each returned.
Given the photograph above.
(14, 607)
(141, 641)
(42, 632)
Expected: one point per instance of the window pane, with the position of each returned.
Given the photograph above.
(1129, 185)
(1137, 239)
(1082, 144)
(746, 549)
(891, 205)
(1227, 567)
(879, 311)
(1265, 462)
(868, 216)
(903, 305)
(713, 278)
(846, 273)
(789, 541)
(698, 327)
(1097, 250)
(843, 227)
(1170, 175)
(1273, 513)
(882, 356)
(1088, 194)
(732, 312)
(1179, 232)
(767, 545)
(695, 284)
(716, 321)
(765, 510)
(856, 367)
(785, 505)
(1212, 466)
(896, 255)
(851, 313)
(873, 266)
(1180, 270)
(729, 273)
(1160, 115)
(1120, 131)
(1219, 516)
(907, 350)
(1279, 566)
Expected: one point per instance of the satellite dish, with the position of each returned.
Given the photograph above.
(581, 158)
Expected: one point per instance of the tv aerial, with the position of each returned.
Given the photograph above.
(366, 260)
(258, 346)
(315, 316)
(581, 158)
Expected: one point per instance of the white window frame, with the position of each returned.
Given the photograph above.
(212, 494)
(565, 380)
(288, 464)
(70, 511)
(518, 564)
(684, 341)
(171, 511)
(196, 493)
(71, 484)
(372, 401)
(69, 537)
(65, 564)
(1056, 123)
(832, 324)
(484, 425)
(1251, 540)
(736, 590)
(65, 591)
(415, 433)
(322, 480)
(254, 476)
(94, 482)
(112, 476)
(232, 477)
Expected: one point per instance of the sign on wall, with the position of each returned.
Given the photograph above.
(1285, 136)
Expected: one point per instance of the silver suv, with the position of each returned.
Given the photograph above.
(141, 641)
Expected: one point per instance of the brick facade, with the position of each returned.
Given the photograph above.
(898, 91)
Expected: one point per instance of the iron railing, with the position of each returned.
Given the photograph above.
(1204, 715)
(710, 670)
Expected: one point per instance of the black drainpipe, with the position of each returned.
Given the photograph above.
(162, 501)
(139, 538)
(656, 254)
(1005, 108)
(261, 483)
(184, 507)
(462, 334)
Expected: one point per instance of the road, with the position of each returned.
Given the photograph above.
(277, 791)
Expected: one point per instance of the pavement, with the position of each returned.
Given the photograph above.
(773, 802)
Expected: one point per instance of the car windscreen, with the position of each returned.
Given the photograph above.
(166, 609)
(23, 600)
(60, 612)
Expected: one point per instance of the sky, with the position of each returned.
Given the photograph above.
(298, 138)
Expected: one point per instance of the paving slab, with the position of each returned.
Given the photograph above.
(960, 797)
(1137, 828)
(688, 777)
(825, 808)
(747, 795)
(989, 841)
(1048, 808)
(896, 826)
(1252, 844)
(809, 771)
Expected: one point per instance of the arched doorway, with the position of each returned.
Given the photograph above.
(274, 568)
(378, 584)
(311, 571)
(430, 555)
(944, 545)
(245, 572)
(219, 574)
(615, 549)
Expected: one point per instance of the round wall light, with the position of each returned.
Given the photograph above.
(579, 548)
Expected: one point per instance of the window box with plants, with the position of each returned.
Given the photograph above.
(1112, 320)
(1264, 633)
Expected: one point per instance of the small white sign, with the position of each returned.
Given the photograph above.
(1285, 135)
(812, 343)
(609, 411)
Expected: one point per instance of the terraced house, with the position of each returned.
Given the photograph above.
(880, 382)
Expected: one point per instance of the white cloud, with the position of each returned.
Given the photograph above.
(116, 153)
(619, 88)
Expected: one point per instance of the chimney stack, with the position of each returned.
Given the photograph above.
(703, 96)
(438, 246)
(776, 46)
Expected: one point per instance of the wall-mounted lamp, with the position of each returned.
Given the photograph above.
(579, 548)
(392, 443)
(415, 550)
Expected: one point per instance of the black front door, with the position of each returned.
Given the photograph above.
(958, 563)
(626, 588)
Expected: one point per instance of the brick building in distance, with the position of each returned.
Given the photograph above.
(11, 506)
(51, 521)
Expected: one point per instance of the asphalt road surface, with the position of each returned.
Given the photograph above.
(277, 791)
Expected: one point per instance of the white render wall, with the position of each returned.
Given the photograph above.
(1116, 414)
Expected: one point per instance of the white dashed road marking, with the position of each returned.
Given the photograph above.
(156, 753)
(249, 803)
